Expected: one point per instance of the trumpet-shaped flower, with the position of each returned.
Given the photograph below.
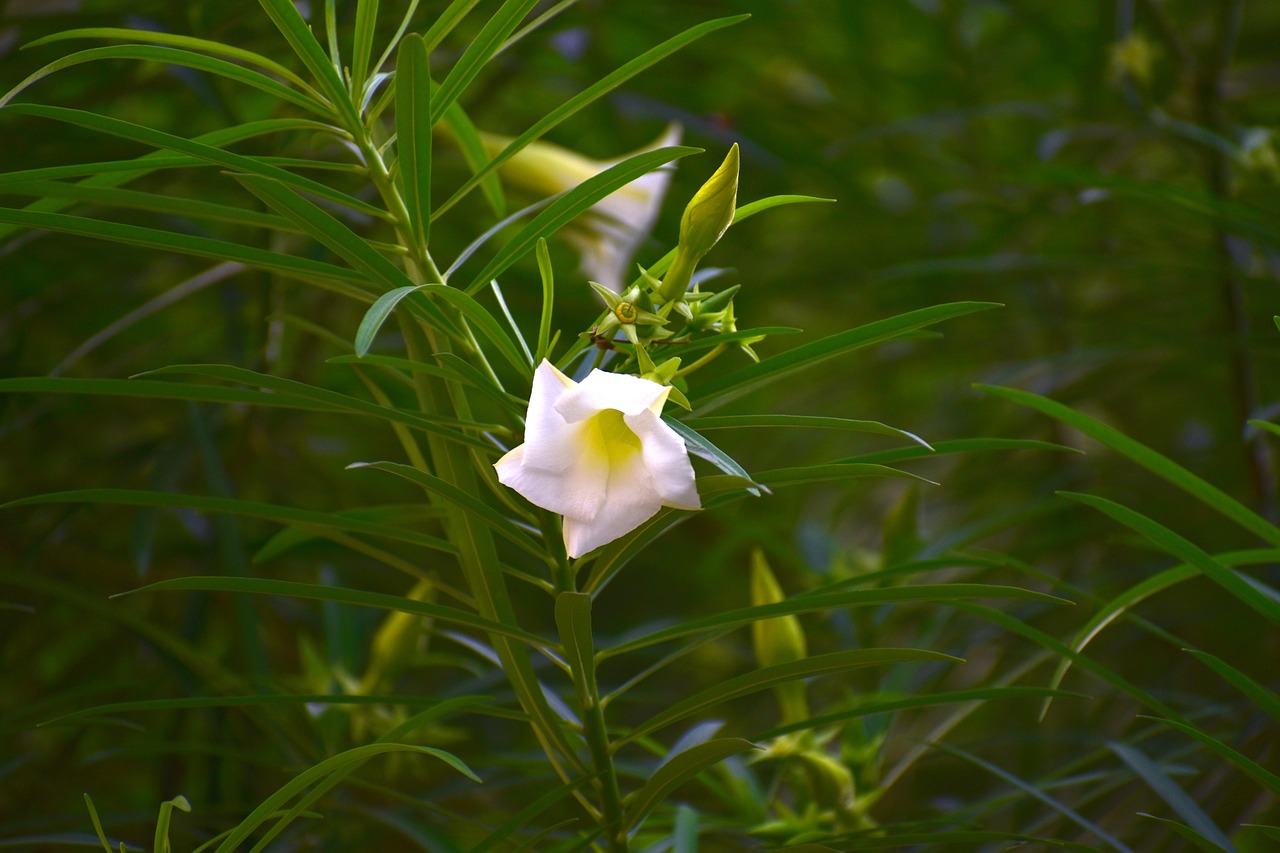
(598, 453)
(609, 233)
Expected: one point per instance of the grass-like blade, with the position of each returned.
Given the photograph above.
(1186, 551)
(723, 389)
(1198, 840)
(175, 56)
(1037, 794)
(958, 445)
(1154, 462)
(319, 521)
(342, 763)
(362, 45)
(803, 422)
(770, 676)
(341, 595)
(477, 157)
(214, 48)
(800, 475)
(299, 36)
(155, 389)
(573, 203)
(478, 53)
(1169, 791)
(486, 324)
(573, 621)
(1265, 699)
(589, 95)
(243, 701)
(701, 446)
(207, 153)
(501, 525)
(548, 277)
(413, 135)
(334, 277)
(675, 772)
(818, 601)
(1250, 767)
(886, 706)
(436, 424)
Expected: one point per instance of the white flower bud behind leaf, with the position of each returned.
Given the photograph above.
(778, 640)
(707, 216)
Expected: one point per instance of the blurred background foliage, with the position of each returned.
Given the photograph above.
(1109, 171)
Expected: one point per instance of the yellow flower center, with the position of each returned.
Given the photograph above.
(625, 312)
(611, 440)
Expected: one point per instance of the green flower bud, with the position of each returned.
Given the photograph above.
(397, 640)
(778, 640)
(708, 216)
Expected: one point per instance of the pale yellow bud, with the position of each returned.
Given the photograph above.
(706, 218)
(778, 640)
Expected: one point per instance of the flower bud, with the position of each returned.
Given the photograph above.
(778, 640)
(708, 215)
(396, 642)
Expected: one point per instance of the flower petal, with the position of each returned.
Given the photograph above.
(631, 501)
(666, 459)
(601, 390)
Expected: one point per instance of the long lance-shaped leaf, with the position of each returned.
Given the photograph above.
(478, 53)
(700, 446)
(413, 134)
(341, 595)
(803, 422)
(436, 424)
(1250, 767)
(319, 521)
(175, 56)
(829, 601)
(208, 153)
(330, 276)
(154, 389)
(1171, 793)
(1186, 551)
(769, 676)
(1265, 699)
(875, 706)
(573, 203)
(589, 95)
(185, 208)
(243, 701)
(295, 31)
(362, 45)
(1154, 462)
(1118, 606)
(678, 770)
(172, 40)
(958, 445)
(342, 763)
(1035, 792)
(719, 391)
(502, 525)
(476, 155)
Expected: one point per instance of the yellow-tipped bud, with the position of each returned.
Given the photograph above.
(778, 640)
(708, 215)
(396, 642)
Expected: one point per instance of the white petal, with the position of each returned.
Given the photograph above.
(666, 459)
(630, 502)
(601, 390)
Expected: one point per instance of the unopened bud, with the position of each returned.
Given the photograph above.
(708, 215)
(396, 642)
(778, 640)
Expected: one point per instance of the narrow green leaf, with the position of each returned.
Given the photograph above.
(207, 153)
(1036, 793)
(450, 367)
(548, 277)
(186, 208)
(165, 818)
(473, 151)
(716, 392)
(1201, 842)
(146, 388)
(1265, 699)
(763, 679)
(378, 313)
(179, 57)
(413, 134)
(484, 323)
(333, 277)
(1184, 550)
(362, 46)
(1266, 426)
(1154, 462)
(588, 96)
(958, 445)
(1250, 767)
(573, 203)
(573, 620)
(356, 597)
(700, 446)
(478, 53)
(245, 701)
(445, 427)
(817, 601)
(832, 471)
(344, 761)
(875, 706)
(299, 36)
(803, 422)
(676, 771)
(1176, 798)
(502, 525)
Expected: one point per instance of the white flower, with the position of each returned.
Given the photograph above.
(598, 453)
(609, 233)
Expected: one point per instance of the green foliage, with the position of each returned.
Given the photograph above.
(345, 647)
